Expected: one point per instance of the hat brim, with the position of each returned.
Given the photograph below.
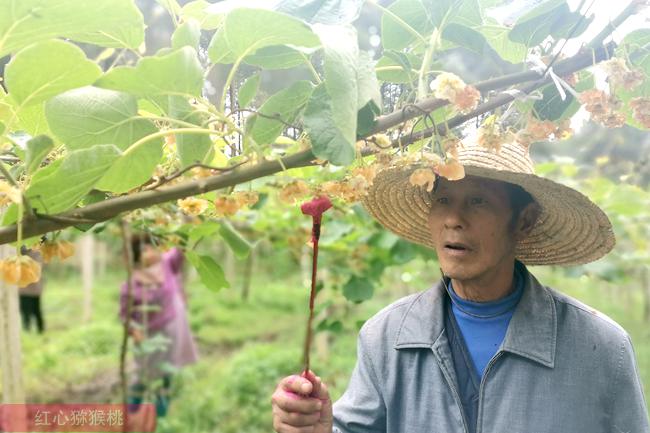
(570, 230)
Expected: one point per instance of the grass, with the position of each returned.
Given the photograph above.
(245, 346)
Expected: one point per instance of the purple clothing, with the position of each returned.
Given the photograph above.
(169, 320)
(157, 296)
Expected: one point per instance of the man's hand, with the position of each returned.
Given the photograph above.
(302, 405)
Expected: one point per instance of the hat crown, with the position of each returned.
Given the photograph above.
(511, 157)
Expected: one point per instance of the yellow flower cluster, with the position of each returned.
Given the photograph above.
(451, 87)
(641, 110)
(293, 191)
(604, 108)
(619, 75)
(20, 270)
(60, 249)
(193, 206)
(9, 194)
(229, 205)
(354, 187)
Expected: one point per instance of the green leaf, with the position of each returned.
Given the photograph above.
(248, 90)
(466, 37)
(466, 12)
(248, 30)
(397, 67)
(198, 232)
(636, 42)
(200, 11)
(327, 140)
(37, 149)
(367, 85)
(394, 35)
(239, 246)
(32, 120)
(323, 12)
(108, 23)
(552, 107)
(285, 105)
(497, 37)
(553, 17)
(133, 168)
(48, 68)
(341, 77)
(191, 148)
(278, 57)
(187, 34)
(358, 289)
(176, 73)
(60, 186)
(209, 271)
(90, 115)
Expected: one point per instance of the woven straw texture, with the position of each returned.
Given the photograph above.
(571, 229)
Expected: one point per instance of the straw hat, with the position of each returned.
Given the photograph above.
(571, 229)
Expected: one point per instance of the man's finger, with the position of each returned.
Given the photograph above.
(292, 402)
(297, 384)
(298, 419)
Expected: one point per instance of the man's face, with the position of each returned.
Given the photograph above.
(470, 225)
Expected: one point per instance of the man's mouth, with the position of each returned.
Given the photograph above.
(456, 246)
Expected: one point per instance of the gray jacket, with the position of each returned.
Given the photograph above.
(562, 368)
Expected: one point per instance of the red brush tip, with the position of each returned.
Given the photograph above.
(316, 207)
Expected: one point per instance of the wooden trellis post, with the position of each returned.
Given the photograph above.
(10, 346)
(87, 247)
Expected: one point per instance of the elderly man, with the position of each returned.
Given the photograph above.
(488, 349)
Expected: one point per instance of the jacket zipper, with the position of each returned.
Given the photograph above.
(479, 424)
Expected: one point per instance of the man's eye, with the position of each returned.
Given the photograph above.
(476, 200)
(442, 200)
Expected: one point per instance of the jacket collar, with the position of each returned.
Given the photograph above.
(531, 332)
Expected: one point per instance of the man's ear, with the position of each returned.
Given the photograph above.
(527, 220)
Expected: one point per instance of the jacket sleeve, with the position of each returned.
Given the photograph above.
(361, 408)
(628, 409)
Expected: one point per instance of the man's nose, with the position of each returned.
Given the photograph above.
(454, 217)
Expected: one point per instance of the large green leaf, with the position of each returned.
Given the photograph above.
(200, 10)
(109, 23)
(248, 90)
(60, 186)
(37, 149)
(90, 115)
(554, 18)
(176, 73)
(442, 12)
(209, 271)
(341, 54)
(32, 120)
(248, 30)
(285, 105)
(368, 94)
(322, 11)
(497, 37)
(327, 140)
(396, 36)
(239, 246)
(187, 34)
(47, 68)
(245, 31)
(191, 148)
(397, 67)
(358, 289)
(133, 168)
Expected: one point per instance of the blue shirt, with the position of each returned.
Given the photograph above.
(483, 325)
